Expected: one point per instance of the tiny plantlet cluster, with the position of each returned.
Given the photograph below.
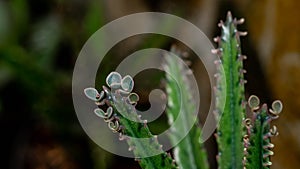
(243, 141)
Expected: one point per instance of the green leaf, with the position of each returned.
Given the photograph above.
(100, 113)
(133, 98)
(258, 138)
(127, 83)
(189, 153)
(230, 130)
(91, 93)
(277, 107)
(114, 78)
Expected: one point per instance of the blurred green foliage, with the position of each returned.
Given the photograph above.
(39, 43)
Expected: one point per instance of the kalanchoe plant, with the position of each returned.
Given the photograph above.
(117, 107)
(230, 130)
(189, 153)
(243, 142)
(258, 146)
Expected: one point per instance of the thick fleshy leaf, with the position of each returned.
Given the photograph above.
(133, 98)
(101, 95)
(100, 113)
(92, 94)
(113, 78)
(277, 106)
(114, 126)
(253, 102)
(230, 94)
(127, 83)
(109, 112)
(189, 153)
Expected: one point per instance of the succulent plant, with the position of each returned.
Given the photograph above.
(230, 130)
(117, 107)
(258, 146)
(190, 152)
(243, 142)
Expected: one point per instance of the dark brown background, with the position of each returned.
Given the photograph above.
(39, 44)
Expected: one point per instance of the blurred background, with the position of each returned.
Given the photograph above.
(39, 44)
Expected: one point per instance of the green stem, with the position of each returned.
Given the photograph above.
(230, 129)
(258, 139)
(139, 138)
(189, 153)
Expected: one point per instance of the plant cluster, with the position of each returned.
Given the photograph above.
(243, 142)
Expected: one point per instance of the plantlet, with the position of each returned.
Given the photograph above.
(243, 142)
